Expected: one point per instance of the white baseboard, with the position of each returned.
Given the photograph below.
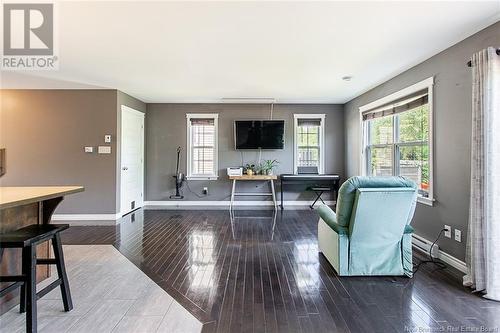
(87, 219)
(423, 245)
(452, 261)
(225, 203)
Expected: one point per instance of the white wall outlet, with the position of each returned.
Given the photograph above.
(89, 149)
(104, 149)
(458, 235)
(205, 190)
(107, 138)
(447, 232)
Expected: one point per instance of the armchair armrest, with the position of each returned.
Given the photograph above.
(330, 218)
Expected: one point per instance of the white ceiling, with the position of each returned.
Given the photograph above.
(296, 52)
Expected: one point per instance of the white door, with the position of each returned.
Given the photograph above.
(132, 160)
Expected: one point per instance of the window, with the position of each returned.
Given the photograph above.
(397, 136)
(309, 143)
(202, 146)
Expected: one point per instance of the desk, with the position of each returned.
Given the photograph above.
(270, 178)
(22, 206)
(286, 179)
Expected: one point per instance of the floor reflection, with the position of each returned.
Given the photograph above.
(130, 227)
(201, 258)
(264, 219)
(306, 267)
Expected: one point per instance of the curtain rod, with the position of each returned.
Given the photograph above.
(469, 63)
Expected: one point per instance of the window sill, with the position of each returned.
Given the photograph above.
(426, 201)
(202, 177)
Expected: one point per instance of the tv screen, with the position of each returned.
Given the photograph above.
(259, 134)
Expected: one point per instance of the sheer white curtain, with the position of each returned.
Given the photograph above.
(483, 241)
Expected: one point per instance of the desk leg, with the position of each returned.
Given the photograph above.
(232, 195)
(274, 195)
(281, 190)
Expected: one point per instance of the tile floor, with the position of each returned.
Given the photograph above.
(110, 294)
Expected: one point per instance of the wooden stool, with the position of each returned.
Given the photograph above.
(27, 239)
(319, 191)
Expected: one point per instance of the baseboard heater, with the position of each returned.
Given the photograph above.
(424, 245)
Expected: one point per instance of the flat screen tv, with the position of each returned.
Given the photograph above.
(259, 134)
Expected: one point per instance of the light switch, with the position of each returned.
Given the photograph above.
(89, 149)
(107, 138)
(104, 149)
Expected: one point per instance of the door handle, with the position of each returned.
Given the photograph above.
(125, 168)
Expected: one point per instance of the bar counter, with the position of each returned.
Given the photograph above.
(19, 207)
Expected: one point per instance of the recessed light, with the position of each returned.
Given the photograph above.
(347, 78)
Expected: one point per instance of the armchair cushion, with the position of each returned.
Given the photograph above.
(330, 218)
(347, 193)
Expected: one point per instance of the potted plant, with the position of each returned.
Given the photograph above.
(259, 169)
(268, 166)
(249, 169)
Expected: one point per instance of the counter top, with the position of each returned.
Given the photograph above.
(17, 196)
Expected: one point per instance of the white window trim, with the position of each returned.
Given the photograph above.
(427, 83)
(189, 154)
(322, 150)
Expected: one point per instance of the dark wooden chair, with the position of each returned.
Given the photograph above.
(27, 239)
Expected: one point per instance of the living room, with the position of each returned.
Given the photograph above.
(249, 166)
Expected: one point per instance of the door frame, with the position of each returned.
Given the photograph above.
(127, 109)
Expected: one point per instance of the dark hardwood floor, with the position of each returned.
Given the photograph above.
(248, 274)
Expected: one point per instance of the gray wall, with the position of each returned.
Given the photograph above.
(45, 131)
(452, 128)
(166, 129)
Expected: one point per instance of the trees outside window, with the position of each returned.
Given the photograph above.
(398, 144)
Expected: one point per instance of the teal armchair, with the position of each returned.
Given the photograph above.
(370, 234)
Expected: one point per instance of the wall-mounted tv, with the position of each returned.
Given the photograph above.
(259, 134)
